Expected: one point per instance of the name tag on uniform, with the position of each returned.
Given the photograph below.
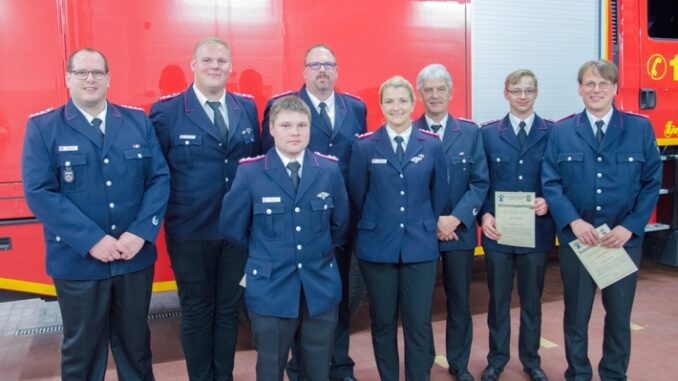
(270, 200)
(379, 161)
(67, 148)
(189, 137)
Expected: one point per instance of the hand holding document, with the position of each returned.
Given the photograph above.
(605, 265)
(515, 218)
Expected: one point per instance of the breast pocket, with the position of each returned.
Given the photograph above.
(73, 176)
(571, 165)
(270, 220)
(459, 170)
(630, 166)
(500, 166)
(322, 210)
(137, 161)
(184, 147)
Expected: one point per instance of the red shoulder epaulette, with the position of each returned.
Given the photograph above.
(565, 117)
(549, 120)
(429, 133)
(362, 136)
(244, 95)
(167, 97)
(353, 96)
(245, 160)
(288, 92)
(41, 112)
(467, 120)
(483, 124)
(328, 157)
(640, 115)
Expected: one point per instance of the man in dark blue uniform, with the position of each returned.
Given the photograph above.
(290, 208)
(457, 230)
(602, 166)
(203, 132)
(336, 121)
(514, 147)
(95, 176)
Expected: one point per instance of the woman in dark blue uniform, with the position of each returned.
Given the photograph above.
(398, 182)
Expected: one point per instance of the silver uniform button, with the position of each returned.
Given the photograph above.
(599, 158)
(58, 239)
(254, 271)
(187, 142)
(630, 159)
(520, 177)
(297, 210)
(220, 144)
(402, 193)
(225, 161)
(67, 163)
(402, 208)
(111, 205)
(598, 208)
(113, 227)
(269, 211)
(331, 145)
(599, 175)
(569, 158)
(227, 179)
(463, 161)
(105, 160)
(109, 183)
(402, 225)
(298, 228)
(401, 176)
(599, 191)
(140, 155)
(325, 206)
(299, 247)
(299, 265)
(520, 161)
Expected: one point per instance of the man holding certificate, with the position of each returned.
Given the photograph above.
(602, 166)
(518, 231)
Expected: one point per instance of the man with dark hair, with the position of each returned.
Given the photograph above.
(203, 132)
(290, 208)
(95, 176)
(602, 166)
(336, 121)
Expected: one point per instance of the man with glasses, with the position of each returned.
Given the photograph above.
(457, 229)
(204, 132)
(336, 121)
(94, 175)
(601, 166)
(514, 147)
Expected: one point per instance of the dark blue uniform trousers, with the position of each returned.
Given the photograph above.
(208, 273)
(457, 272)
(580, 291)
(96, 313)
(529, 270)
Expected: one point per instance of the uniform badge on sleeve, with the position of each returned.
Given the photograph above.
(323, 195)
(417, 158)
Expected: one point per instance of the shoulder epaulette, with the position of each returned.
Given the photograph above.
(429, 133)
(467, 120)
(41, 112)
(132, 107)
(244, 95)
(565, 117)
(328, 157)
(288, 92)
(639, 115)
(168, 96)
(362, 136)
(353, 96)
(245, 160)
(483, 124)
(549, 120)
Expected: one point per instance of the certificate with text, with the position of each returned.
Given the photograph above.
(514, 218)
(605, 265)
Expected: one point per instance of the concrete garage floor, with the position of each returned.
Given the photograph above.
(35, 355)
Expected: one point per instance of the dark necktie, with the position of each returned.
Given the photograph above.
(294, 166)
(96, 122)
(325, 116)
(400, 152)
(599, 131)
(219, 121)
(436, 127)
(522, 134)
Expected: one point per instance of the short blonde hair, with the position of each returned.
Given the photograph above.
(605, 68)
(208, 41)
(395, 82)
(515, 76)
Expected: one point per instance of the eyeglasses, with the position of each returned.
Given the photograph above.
(84, 74)
(519, 92)
(318, 65)
(604, 85)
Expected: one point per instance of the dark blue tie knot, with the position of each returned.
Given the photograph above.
(436, 127)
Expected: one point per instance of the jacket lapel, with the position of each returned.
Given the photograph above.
(317, 124)
(585, 131)
(507, 134)
(614, 130)
(114, 123)
(278, 173)
(414, 146)
(537, 133)
(308, 173)
(452, 133)
(340, 111)
(78, 122)
(196, 114)
(384, 147)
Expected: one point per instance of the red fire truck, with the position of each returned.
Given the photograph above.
(149, 44)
